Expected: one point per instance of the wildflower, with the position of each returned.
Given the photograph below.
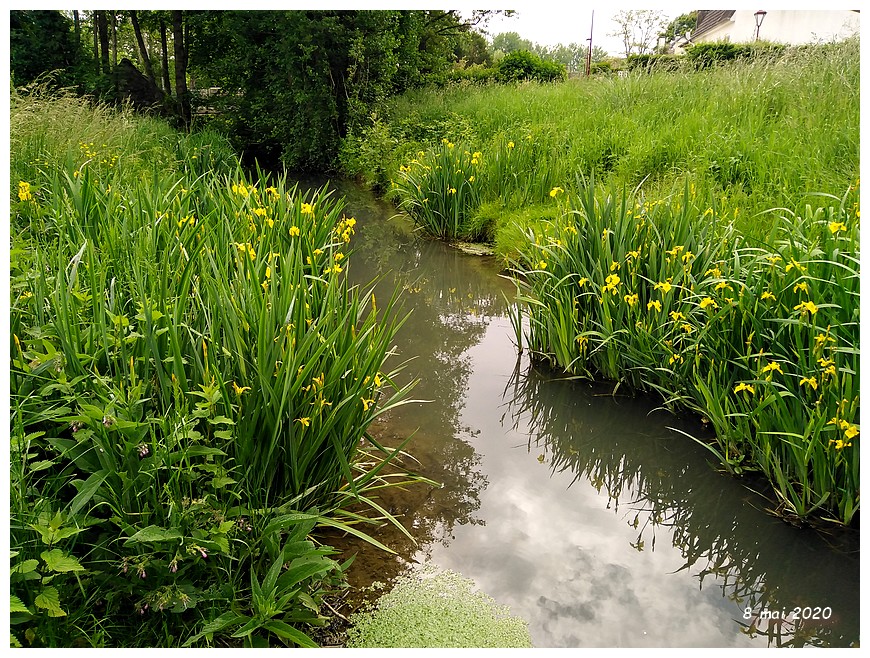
(825, 363)
(108, 421)
(722, 285)
(633, 254)
(821, 339)
(743, 386)
(470, 180)
(614, 266)
(366, 403)
(24, 191)
(305, 421)
(676, 316)
(143, 450)
(451, 190)
(555, 191)
(510, 145)
(611, 282)
(794, 264)
(673, 252)
(836, 227)
(542, 265)
(665, 286)
(687, 256)
(768, 295)
(272, 192)
(771, 367)
(851, 432)
(294, 230)
(240, 389)
(809, 381)
(307, 209)
(631, 300)
(715, 272)
(582, 282)
(674, 358)
(686, 327)
(654, 304)
(807, 306)
(802, 286)
(582, 342)
(839, 444)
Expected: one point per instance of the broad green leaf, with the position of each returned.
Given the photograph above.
(49, 600)
(286, 631)
(87, 491)
(25, 567)
(16, 604)
(226, 620)
(154, 533)
(58, 561)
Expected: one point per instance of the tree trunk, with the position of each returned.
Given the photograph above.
(103, 32)
(180, 65)
(143, 51)
(165, 63)
(114, 40)
(78, 27)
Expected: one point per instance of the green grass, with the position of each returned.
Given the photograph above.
(757, 134)
(191, 379)
(691, 232)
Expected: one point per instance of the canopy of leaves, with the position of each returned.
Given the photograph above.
(41, 41)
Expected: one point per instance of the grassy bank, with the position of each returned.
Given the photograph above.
(191, 379)
(756, 135)
(689, 232)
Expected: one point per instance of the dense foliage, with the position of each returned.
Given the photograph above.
(728, 281)
(42, 42)
(191, 380)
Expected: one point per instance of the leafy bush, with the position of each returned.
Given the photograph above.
(525, 65)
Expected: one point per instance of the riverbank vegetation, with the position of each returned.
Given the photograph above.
(692, 232)
(192, 378)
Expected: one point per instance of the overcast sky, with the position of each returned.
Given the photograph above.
(549, 23)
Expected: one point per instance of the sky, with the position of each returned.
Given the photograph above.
(549, 24)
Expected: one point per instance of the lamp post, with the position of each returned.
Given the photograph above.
(759, 19)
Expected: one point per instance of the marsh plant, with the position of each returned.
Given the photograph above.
(760, 339)
(432, 608)
(192, 377)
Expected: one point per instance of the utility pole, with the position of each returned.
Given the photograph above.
(589, 49)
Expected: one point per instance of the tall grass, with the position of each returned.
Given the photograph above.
(192, 377)
(762, 341)
(756, 134)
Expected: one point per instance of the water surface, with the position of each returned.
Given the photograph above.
(585, 512)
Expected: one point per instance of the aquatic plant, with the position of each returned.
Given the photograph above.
(760, 339)
(433, 608)
(191, 375)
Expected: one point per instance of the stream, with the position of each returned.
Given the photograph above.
(585, 512)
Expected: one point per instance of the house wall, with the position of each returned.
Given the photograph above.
(786, 26)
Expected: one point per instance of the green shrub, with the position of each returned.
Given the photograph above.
(524, 65)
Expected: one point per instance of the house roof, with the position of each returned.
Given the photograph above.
(709, 19)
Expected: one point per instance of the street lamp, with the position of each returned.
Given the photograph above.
(759, 19)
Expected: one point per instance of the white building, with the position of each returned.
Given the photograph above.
(782, 26)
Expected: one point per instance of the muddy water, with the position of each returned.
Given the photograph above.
(587, 513)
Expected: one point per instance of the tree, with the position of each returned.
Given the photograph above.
(638, 29)
(680, 25)
(143, 50)
(41, 41)
(180, 52)
(511, 42)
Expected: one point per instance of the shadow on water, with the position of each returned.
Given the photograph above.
(583, 512)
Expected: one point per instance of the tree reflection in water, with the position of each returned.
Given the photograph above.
(719, 525)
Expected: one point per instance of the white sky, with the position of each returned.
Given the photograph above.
(548, 23)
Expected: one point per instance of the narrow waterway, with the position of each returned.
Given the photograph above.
(587, 514)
